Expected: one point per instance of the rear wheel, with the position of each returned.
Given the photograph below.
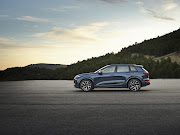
(134, 85)
(86, 85)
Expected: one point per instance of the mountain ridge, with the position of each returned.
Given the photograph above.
(46, 65)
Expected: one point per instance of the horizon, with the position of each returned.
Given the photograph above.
(66, 32)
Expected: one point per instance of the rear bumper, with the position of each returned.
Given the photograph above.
(145, 83)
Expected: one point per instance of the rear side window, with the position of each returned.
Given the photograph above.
(122, 69)
(133, 69)
(139, 68)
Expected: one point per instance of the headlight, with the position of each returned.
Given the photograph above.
(77, 76)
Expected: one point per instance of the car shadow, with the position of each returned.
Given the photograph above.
(110, 90)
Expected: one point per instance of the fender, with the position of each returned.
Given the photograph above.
(134, 77)
(88, 78)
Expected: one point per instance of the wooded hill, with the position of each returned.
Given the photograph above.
(45, 65)
(159, 46)
(162, 68)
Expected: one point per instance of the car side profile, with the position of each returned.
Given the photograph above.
(114, 76)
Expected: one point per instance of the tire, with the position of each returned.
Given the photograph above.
(134, 85)
(86, 85)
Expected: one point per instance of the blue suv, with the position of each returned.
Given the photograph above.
(114, 76)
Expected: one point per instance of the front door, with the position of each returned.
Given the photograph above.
(106, 78)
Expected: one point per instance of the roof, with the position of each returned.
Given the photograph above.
(126, 65)
(122, 64)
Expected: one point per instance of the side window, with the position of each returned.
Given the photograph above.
(133, 68)
(122, 69)
(109, 69)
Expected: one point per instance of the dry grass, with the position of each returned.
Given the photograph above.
(175, 57)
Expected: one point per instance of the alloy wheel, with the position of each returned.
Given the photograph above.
(134, 85)
(86, 85)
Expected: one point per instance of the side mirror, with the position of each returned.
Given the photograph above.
(100, 72)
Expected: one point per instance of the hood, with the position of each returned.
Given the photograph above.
(86, 74)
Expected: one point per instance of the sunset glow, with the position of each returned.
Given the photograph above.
(67, 31)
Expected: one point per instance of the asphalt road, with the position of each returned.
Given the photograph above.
(55, 107)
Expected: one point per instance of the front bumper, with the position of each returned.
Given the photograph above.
(76, 85)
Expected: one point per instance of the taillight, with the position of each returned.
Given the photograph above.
(146, 73)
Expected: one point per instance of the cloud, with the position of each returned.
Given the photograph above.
(32, 19)
(55, 9)
(157, 15)
(35, 26)
(99, 24)
(139, 3)
(2, 39)
(80, 33)
(6, 43)
(159, 11)
(161, 17)
(93, 33)
(113, 1)
(109, 2)
(169, 5)
(3, 16)
(70, 7)
(63, 8)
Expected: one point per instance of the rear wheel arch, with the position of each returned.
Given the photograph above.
(134, 84)
(134, 78)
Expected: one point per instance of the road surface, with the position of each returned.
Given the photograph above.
(55, 107)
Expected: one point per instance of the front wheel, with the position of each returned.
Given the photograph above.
(134, 85)
(86, 85)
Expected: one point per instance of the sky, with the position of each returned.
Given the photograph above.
(67, 31)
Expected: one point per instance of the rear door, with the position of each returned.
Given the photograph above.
(121, 74)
